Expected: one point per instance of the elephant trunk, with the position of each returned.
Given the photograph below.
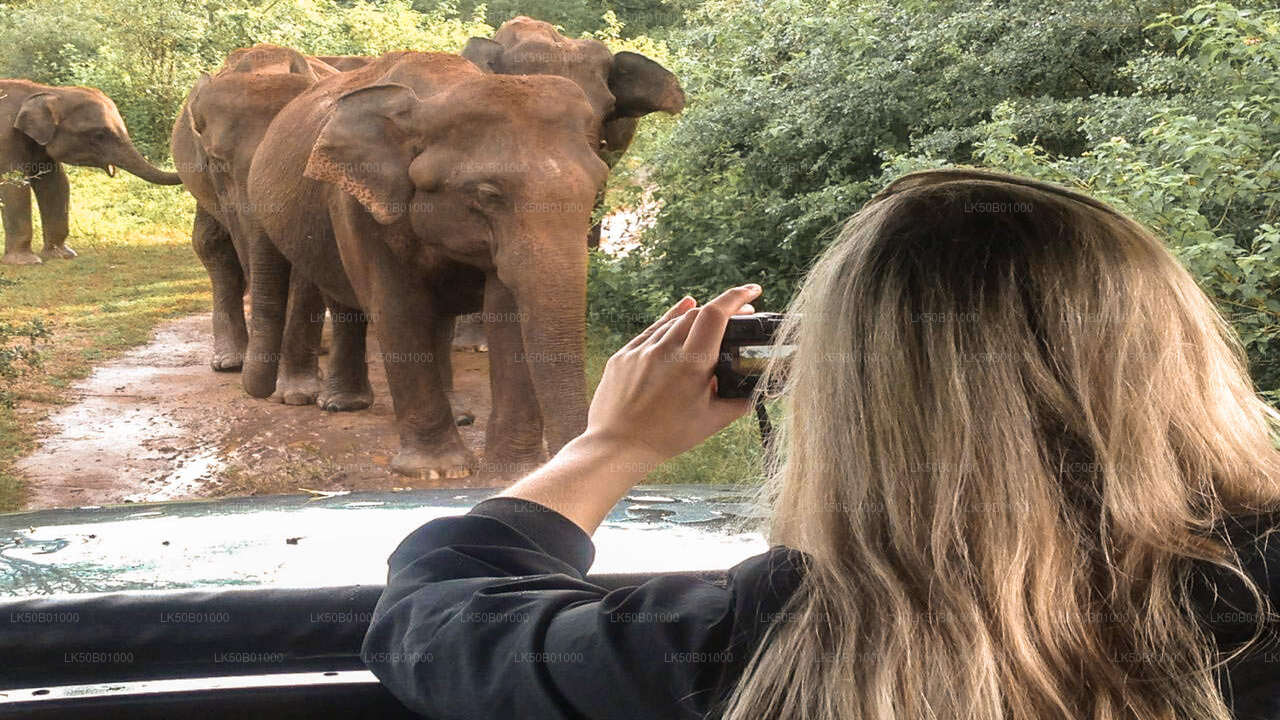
(553, 325)
(128, 158)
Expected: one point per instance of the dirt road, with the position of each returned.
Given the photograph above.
(158, 424)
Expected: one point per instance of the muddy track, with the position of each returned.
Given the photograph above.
(158, 424)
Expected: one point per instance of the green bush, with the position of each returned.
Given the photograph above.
(795, 105)
(802, 108)
(1202, 170)
(146, 54)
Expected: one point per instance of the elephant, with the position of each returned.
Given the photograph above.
(418, 188)
(42, 127)
(214, 137)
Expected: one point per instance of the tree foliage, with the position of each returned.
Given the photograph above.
(802, 108)
(146, 54)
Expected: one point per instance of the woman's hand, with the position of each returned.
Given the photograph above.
(656, 400)
(657, 397)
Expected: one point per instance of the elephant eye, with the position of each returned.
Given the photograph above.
(488, 193)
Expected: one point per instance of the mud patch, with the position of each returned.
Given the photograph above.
(159, 424)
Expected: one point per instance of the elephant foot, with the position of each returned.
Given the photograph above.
(297, 390)
(444, 464)
(224, 361)
(336, 399)
(258, 376)
(21, 257)
(57, 251)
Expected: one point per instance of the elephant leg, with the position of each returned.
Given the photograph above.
(513, 439)
(269, 296)
(216, 251)
(53, 192)
(298, 382)
(346, 386)
(15, 206)
(403, 318)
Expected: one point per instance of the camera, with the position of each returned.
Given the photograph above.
(745, 351)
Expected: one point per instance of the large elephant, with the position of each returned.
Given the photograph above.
(418, 188)
(41, 127)
(214, 137)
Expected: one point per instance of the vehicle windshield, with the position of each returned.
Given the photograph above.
(272, 296)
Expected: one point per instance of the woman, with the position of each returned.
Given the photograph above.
(1024, 476)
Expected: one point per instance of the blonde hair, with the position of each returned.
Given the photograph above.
(1014, 423)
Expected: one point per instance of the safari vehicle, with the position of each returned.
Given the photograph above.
(256, 607)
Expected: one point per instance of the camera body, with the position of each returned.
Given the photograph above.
(745, 350)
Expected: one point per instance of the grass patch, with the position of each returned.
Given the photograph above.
(732, 456)
(136, 269)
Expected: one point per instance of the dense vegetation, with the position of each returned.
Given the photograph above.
(802, 108)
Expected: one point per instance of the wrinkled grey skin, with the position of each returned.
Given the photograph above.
(42, 127)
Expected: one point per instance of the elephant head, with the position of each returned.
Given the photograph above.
(226, 115)
(81, 126)
(621, 87)
(229, 113)
(497, 172)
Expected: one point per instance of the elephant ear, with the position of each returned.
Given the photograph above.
(38, 117)
(365, 148)
(201, 83)
(642, 86)
(617, 136)
(484, 53)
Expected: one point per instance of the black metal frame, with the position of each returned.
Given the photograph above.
(246, 652)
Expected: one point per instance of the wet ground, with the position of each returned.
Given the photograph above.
(158, 424)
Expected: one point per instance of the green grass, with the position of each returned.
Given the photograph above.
(732, 456)
(135, 270)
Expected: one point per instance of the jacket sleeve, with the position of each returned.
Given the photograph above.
(487, 615)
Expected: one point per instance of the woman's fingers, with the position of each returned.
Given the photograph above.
(675, 331)
(679, 308)
(708, 329)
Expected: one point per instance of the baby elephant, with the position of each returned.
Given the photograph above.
(42, 127)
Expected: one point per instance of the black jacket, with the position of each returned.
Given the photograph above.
(487, 615)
